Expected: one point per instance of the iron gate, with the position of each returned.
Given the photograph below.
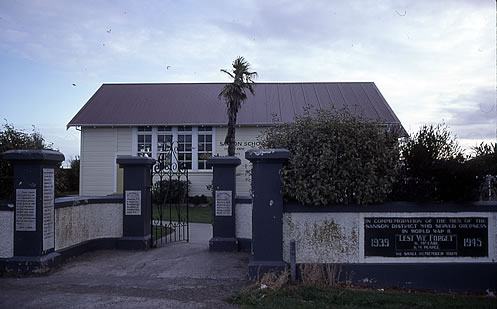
(170, 196)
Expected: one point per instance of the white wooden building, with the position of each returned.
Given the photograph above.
(138, 119)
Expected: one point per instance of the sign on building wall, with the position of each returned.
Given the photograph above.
(48, 208)
(224, 206)
(25, 209)
(426, 237)
(241, 145)
(133, 203)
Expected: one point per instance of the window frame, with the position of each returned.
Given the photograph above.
(175, 132)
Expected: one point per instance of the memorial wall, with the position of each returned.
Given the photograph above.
(422, 237)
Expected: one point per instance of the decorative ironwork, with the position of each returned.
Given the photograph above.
(170, 186)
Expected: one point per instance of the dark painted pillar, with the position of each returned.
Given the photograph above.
(223, 197)
(34, 214)
(267, 211)
(137, 199)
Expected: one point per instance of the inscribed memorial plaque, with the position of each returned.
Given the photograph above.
(133, 203)
(224, 205)
(48, 208)
(25, 209)
(426, 237)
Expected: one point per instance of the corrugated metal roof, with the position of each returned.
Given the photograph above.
(198, 103)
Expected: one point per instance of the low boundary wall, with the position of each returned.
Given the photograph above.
(6, 229)
(243, 221)
(406, 245)
(81, 224)
(38, 232)
(80, 220)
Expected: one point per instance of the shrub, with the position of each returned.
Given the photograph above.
(336, 158)
(435, 169)
(12, 139)
(170, 191)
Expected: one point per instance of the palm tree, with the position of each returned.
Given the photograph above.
(234, 95)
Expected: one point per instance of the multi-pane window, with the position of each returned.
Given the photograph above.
(204, 146)
(164, 142)
(185, 147)
(144, 142)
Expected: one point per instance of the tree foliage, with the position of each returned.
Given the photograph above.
(12, 139)
(234, 95)
(435, 169)
(336, 158)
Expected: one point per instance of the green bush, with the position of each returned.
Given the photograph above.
(336, 158)
(14, 139)
(170, 191)
(435, 169)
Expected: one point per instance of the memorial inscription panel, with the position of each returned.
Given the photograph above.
(426, 236)
(133, 203)
(48, 209)
(224, 205)
(26, 210)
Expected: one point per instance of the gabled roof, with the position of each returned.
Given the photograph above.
(198, 103)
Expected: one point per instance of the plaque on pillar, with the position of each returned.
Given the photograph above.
(48, 209)
(133, 203)
(26, 210)
(224, 205)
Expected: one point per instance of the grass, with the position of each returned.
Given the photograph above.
(160, 231)
(67, 193)
(197, 214)
(340, 297)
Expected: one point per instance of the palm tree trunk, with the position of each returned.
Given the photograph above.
(230, 136)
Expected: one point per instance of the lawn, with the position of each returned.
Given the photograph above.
(197, 214)
(340, 297)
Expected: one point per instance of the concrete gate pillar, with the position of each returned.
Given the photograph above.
(34, 213)
(223, 198)
(267, 211)
(137, 210)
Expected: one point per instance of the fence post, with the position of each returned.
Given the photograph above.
(137, 202)
(34, 213)
(267, 211)
(223, 199)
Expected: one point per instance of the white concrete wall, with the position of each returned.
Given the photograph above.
(339, 238)
(77, 224)
(322, 237)
(246, 139)
(6, 234)
(243, 221)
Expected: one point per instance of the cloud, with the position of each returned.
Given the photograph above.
(432, 60)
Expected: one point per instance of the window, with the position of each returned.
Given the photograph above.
(144, 142)
(193, 145)
(164, 142)
(204, 149)
(185, 147)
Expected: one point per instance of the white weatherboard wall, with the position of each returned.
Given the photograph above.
(246, 139)
(77, 224)
(199, 182)
(6, 234)
(339, 237)
(99, 147)
(243, 221)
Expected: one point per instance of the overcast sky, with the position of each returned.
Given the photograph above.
(433, 61)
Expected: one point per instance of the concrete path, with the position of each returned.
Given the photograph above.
(177, 275)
